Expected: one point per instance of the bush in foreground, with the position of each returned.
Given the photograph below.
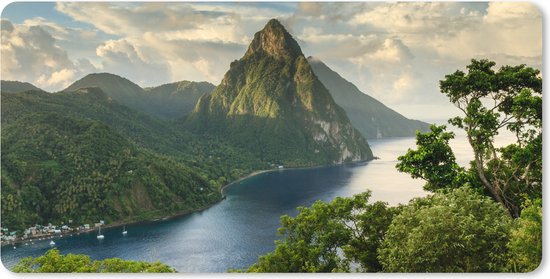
(458, 231)
(54, 262)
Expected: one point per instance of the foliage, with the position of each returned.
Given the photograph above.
(54, 262)
(510, 98)
(83, 156)
(328, 237)
(457, 231)
(525, 246)
(433, 160)
(56, 168)
(465, 226)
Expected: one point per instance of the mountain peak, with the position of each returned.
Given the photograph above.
(274, 40)
(13, 86)
(271, 103)
(275, 24)
(114, 85)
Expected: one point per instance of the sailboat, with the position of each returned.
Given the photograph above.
(99, 235)
(52, 243)
(124, 231)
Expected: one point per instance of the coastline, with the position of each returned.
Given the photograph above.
(250, 175)
(159, 217)
(258, 172)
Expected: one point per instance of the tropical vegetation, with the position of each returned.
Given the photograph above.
(485, 218)
(121, 153)
(54, 262)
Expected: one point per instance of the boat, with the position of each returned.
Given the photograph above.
(124, 231)
(52, 243)
(99, 235)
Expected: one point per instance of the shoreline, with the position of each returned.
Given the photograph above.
(178, 214)
(250, 175)
(258, 172)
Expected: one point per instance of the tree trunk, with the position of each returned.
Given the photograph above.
(481, 173)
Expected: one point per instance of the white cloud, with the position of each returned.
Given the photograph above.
(390, 51)
(419, 17)
(171, 21)
(510, 14)
(404, 82)
(179, 41)
(121, 57)
(63, 78)
(395, 52)
(30, 53)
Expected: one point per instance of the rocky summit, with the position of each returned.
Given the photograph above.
(271, 102)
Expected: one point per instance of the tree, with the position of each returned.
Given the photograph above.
(54, 262)
(433, 160)
(510, 98)
(329, 237)
(525, 246)
(454, 231)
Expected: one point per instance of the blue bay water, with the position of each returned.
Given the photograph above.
(234, 232)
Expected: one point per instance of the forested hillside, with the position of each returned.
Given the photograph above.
(57, 168)
(82, 156)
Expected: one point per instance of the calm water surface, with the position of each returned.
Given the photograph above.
(233, 233)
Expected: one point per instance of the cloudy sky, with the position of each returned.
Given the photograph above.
(395, 52)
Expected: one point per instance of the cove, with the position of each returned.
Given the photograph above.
(234, 232)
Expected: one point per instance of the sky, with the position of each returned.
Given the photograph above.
(394, 51)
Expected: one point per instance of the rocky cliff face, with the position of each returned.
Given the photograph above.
(271, 102)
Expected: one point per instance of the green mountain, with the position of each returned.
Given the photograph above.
(169, 101)
(271, 103)
(120, 89)
(175, 100)
(94, 104)
(372, 118)
(214, 159)
(12, 86)
(57, 167)
(52, 144)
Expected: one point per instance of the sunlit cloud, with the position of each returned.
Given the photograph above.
(396, 52)
(30, 53)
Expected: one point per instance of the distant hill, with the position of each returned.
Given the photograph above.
(271, 103)
(94, 104)
(372, 118)
(11, 86)
(174, 100)
(169, 101)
